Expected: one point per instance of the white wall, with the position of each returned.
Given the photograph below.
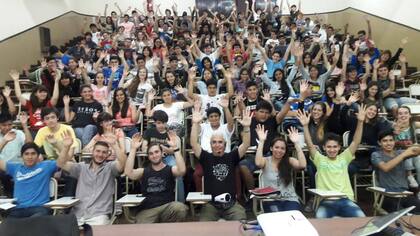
(402, 11)
(20, 15)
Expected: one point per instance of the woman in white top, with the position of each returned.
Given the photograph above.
(138, 87)
(174, 110)
(277, 169)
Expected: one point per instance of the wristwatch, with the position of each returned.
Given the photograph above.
(176, 150)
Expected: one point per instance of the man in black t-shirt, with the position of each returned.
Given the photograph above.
(158, 182)
(219, 170)
(159, 135)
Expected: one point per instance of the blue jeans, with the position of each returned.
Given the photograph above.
(343, 207)
(85, 134)
(170, 161)
(130, 131)
(275, 206)
(29, 212)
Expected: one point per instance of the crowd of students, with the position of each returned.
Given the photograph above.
(274, 75)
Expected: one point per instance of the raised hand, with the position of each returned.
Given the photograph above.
(362, 112)
(376, 64)
(363, 85)
(179, 88)
(14, 74)
(6, 91)
(95, 115)
(51, 139)
(366, 58)
(354, 97)
(330, 109)
(246, 118)
(197, 117)
(44, 63)
(303, 117)
(66, 99)
(224, 101)
(67, 139)
(293, 134)
(239, 97)
(136, 141)
(402, 58)
(339, 89)
(172, 139)
(261, 132)
(151, 95)
(266, 95)
(110, 139)
(11, 135)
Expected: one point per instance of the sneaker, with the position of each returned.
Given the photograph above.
(412, 182)
(309, 206)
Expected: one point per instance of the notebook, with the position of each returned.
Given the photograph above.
(377, 224)
(286, 223)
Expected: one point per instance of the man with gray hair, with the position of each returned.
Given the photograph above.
(219, 170)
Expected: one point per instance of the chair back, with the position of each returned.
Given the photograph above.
(414, 90)
(127, 144)
(53, 188)
(346, 136)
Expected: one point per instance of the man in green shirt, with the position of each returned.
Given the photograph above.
(332, 174)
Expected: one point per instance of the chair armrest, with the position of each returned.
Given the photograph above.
(62, 203)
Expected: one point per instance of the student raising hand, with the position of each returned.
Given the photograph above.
(303, 117)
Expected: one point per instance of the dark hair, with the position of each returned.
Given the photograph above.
(263, 104)
(283, 84)
(103, 116)
(328, 85)
(206, 59)
(29, 145)
(211, 82)
(148, 49)
(361, 32)
(377, 95)
(250, 84)
(160, 116)
(116, 106)
(382, 134)
(5, 117)
(48, 110)
(332, 137)
(4, 107)
(151, 145)
(212, 110)
(35, 101)
(284, 168)
(305, 55)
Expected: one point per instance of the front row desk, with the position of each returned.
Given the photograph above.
(324, 227)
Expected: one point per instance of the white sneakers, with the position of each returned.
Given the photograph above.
(412, 182)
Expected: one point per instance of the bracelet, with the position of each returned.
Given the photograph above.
(176, 150)
(246, 130)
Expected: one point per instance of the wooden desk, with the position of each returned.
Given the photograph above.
(327, 227)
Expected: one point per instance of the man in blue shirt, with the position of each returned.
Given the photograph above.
(31, 182)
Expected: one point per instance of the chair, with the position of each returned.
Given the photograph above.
(379, 195)
(198, 198)
(114, 202)
(363, 178)
(324, 194)
(346, 137)
(127, 144)
(414, 90)
(60, 203)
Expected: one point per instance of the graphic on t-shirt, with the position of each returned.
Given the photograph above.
(140, 95)
(20, 176)
(156, 185)
(220, 171)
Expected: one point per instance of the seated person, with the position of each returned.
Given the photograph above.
(277, 169)
(159, 135)
(219, 170)
(158, 182)
(212, 126)
(50, 137)
(332, 174)
(11, 142)
(31, 182)
(96, 180)
(391, 172)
